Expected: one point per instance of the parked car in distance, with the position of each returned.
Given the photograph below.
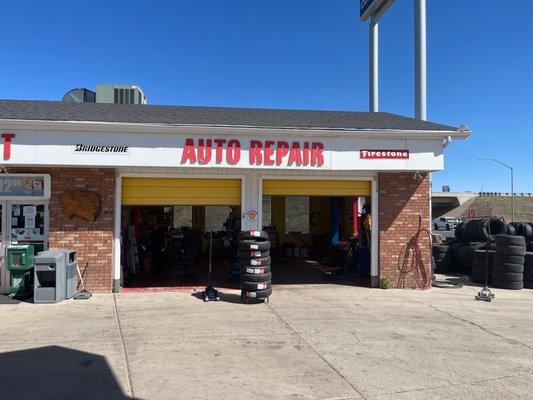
(445, 223)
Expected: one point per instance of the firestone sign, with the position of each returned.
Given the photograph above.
(261, 152)
(384, 154)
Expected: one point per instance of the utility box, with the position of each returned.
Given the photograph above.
(55, 276)
(20, 262)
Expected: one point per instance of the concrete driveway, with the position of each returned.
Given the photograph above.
(309, 342)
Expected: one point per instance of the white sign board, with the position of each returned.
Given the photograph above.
(119, 149)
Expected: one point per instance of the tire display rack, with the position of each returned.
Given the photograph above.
(254, 261)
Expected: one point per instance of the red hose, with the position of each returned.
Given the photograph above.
(410, 260)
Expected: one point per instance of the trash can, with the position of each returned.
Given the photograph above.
(71, 261)
(55, 276)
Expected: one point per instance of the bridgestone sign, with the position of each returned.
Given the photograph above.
(104, 149)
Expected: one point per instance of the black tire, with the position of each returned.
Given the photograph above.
(525, 229)
(253, 254)
(258, 294)
(259, 236)
(507, 267)
(255, 286)
(508, 276)
(248, 245)
(508, 285)
(511, 230)
(507, 240)
(508, 258)
(439, 249)
(497, 227)
(459, 230)
(511, 249)
(255, 262)
(443, 266)
(478, 278)
(528, 284)
(256, 277)
(529, 246)
(528, 259)
(255, 270)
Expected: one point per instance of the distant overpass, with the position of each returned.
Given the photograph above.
(443, 202)
(456, 204)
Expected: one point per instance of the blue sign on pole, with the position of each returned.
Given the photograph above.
(364, 5)
(372, 7)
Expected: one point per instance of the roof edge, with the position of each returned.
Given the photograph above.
(99, 126)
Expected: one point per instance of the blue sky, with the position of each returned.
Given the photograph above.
(293, 54)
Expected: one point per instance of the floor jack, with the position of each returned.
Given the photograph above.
(485, 294)
(210, 293)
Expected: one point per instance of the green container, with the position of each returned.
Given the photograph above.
(20, 261)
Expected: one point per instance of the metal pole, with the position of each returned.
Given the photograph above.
(373, 67)
(420, 60)
(512, 180)
(512, 194)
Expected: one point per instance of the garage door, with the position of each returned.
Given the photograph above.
(181, 191)
(290, 187)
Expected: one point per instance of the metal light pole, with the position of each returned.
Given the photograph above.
(512, 180)
(373, 67)
(420, 61)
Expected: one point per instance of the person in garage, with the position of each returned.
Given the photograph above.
(157, 246)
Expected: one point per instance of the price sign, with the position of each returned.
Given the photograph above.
(24, 186)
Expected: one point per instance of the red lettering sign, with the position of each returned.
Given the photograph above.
(384, 154)
(7, 144)
(267, 153)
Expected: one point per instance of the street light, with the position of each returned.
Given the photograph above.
(512, 180)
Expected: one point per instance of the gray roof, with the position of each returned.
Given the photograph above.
(213, 116)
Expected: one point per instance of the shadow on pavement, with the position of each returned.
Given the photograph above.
(234, 298)
(55, 372)
(7, 300)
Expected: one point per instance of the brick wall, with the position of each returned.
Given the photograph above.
(92, 240)
(401, 200)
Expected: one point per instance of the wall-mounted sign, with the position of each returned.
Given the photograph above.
(261, 152)
(251, 214)
(291, 151)
(83, 148)
(24, 186)
(85, 205)
(384, 154)
(8, 137)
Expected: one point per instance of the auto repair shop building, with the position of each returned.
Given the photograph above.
(142, 156)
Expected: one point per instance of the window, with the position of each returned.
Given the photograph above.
(182, 217)
(267, 211)
(297, 214)
(215, 217)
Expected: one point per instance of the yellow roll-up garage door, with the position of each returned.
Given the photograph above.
(318, 187)
(181, 191)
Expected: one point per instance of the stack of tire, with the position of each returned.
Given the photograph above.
(442, 256)
(524, 229)
(463, 254)
(480, 229)
(478, 269)
(508, 263)
(254, 261)
(528, 270)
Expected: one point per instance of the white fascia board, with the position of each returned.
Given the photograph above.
(83, 126)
